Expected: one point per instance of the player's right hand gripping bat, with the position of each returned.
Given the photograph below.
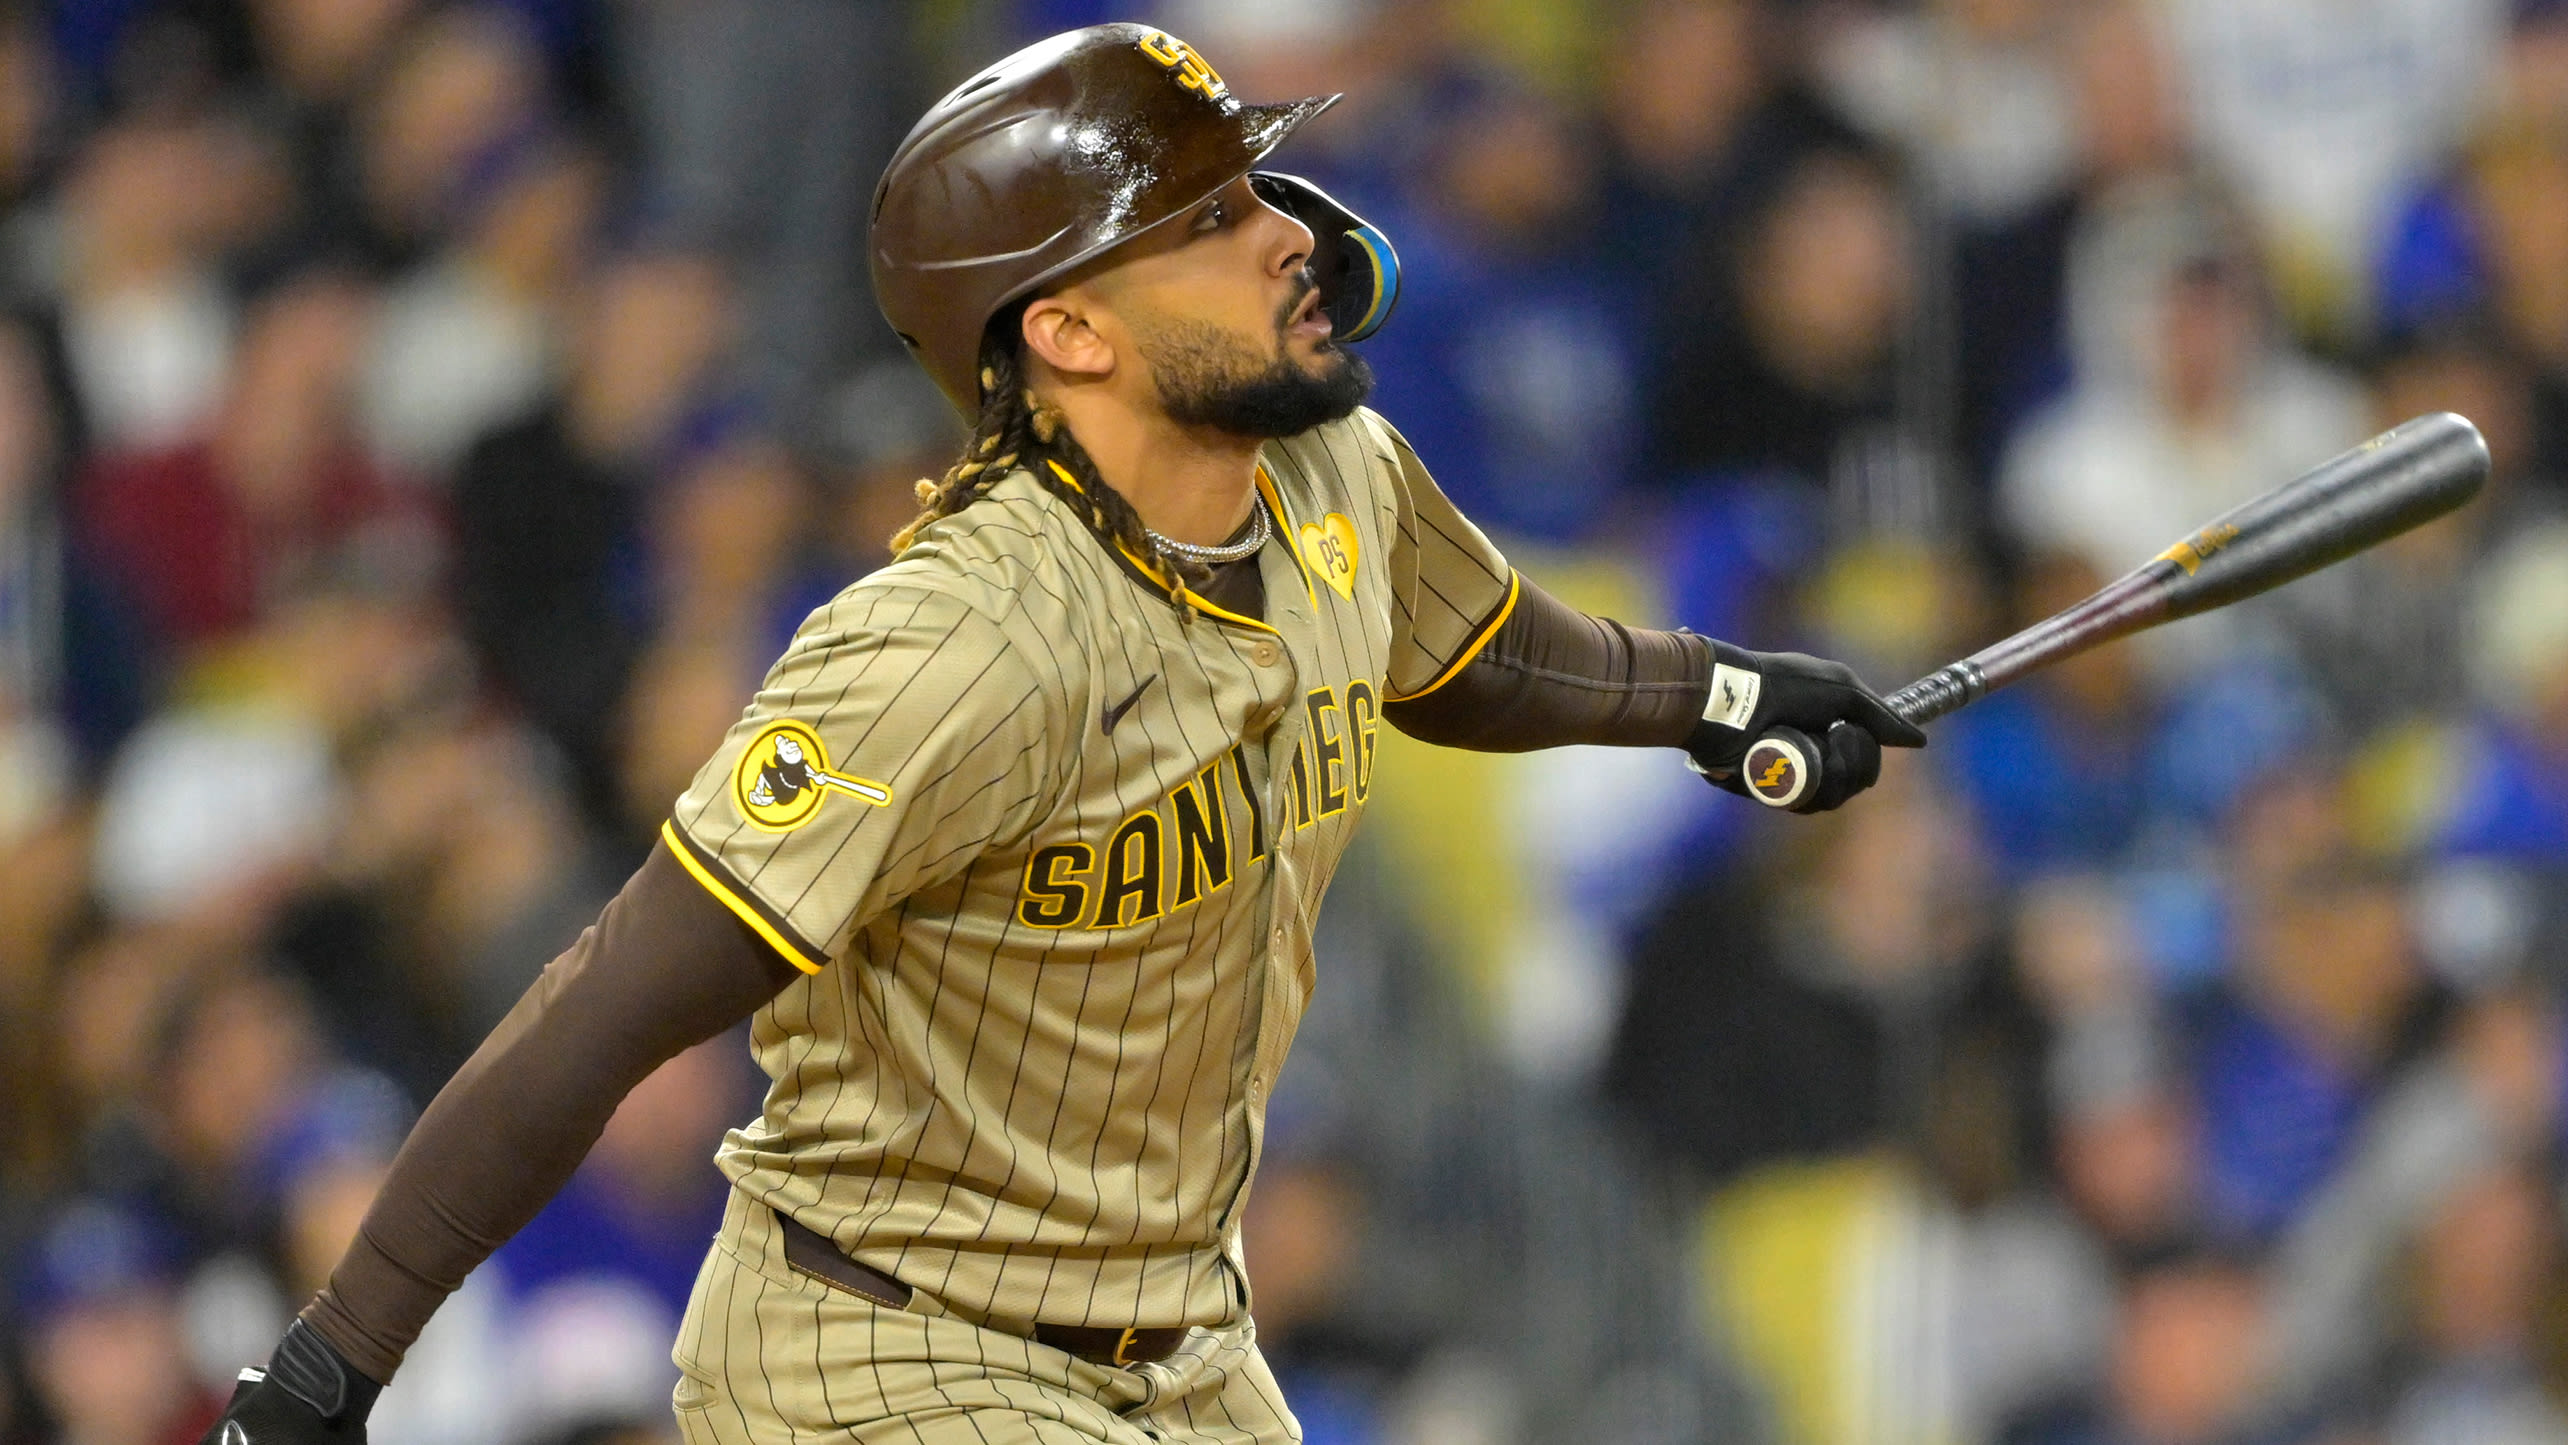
(2403, 478)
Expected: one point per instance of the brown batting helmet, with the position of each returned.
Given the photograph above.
(1042, 162)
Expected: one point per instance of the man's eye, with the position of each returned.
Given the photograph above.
(1213, 218)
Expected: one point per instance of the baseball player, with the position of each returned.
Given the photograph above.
(1014, 857)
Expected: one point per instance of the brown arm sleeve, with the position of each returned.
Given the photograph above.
(665, 967)
(1554, 676)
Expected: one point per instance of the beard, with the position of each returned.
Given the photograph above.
(1211, 377)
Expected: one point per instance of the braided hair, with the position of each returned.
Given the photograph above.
(1016, 429)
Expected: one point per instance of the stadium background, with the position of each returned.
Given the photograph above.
(420, 423)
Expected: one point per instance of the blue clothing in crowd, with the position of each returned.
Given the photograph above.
(2509, 800)
(1513, 377)
(590, 1229)
(2276, 1115)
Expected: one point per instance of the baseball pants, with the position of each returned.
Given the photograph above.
(769, 1356)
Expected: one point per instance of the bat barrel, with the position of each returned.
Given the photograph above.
(2403, 478)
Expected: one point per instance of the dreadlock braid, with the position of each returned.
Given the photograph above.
(1016, 429)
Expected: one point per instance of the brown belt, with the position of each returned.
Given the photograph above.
(813, 1254)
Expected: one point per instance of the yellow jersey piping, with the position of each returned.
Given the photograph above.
(1471, 650)
(1189, 596)
(1292, 534)
(1179, 590)
(733, 901)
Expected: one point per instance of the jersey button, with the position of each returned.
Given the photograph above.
(1265, 653)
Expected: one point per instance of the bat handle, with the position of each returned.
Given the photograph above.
(1946, 689)
(1783, 766)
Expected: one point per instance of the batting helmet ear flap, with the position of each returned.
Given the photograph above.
(1359, 273)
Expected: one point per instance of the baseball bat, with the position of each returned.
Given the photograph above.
(2405, 477)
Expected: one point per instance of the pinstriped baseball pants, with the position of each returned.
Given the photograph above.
(767, 1356)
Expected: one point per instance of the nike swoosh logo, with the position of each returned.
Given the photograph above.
(1106, 720)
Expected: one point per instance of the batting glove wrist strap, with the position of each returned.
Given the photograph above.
(308, 1368)
(308, 1394)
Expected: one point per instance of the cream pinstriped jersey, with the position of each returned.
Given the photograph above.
(1049, 850)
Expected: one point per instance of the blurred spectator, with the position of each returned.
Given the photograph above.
(148, 210)
(1306, 1225)
(2502, 786)
(241, 1058)
(2325, 1002)
(2010, 274)
(2062, 771)
(2485, 1096)
(1512, 373)
(1973, 90)
(2491, 239)
(1813, 1026)
(2101, 764)
(273, 501)
(206, 810)
(2487, 1268)
(321, 59)
(1684, 78)
(2187, 400)
(2324, 118)
(27, 138)
(459, 871)
(1778, 356)
(893, 429)
(763, 126)
(2125, 1142)
(106, 1356)
(553, 569)
(2184, 1369)
(738, 573)
(68, 682)
(458, 93)
(468, 341)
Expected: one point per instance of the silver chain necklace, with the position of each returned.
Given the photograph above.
(1245, 547)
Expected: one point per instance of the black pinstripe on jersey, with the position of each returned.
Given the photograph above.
(1059, 972)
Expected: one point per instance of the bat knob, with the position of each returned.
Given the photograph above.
(1781, 769)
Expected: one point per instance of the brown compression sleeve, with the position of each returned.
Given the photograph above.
(665, 967)
(1554, 676)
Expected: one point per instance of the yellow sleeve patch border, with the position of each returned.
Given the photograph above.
(773, 930)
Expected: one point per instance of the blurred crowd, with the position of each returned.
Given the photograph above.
(421, 421)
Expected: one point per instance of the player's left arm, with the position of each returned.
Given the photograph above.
(1529, 671)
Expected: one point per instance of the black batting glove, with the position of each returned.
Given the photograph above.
(1755, 693)
(307, 1395)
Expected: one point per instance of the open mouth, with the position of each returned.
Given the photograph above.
(1309, 314)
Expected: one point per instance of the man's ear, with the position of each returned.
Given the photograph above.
(1058, 329)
